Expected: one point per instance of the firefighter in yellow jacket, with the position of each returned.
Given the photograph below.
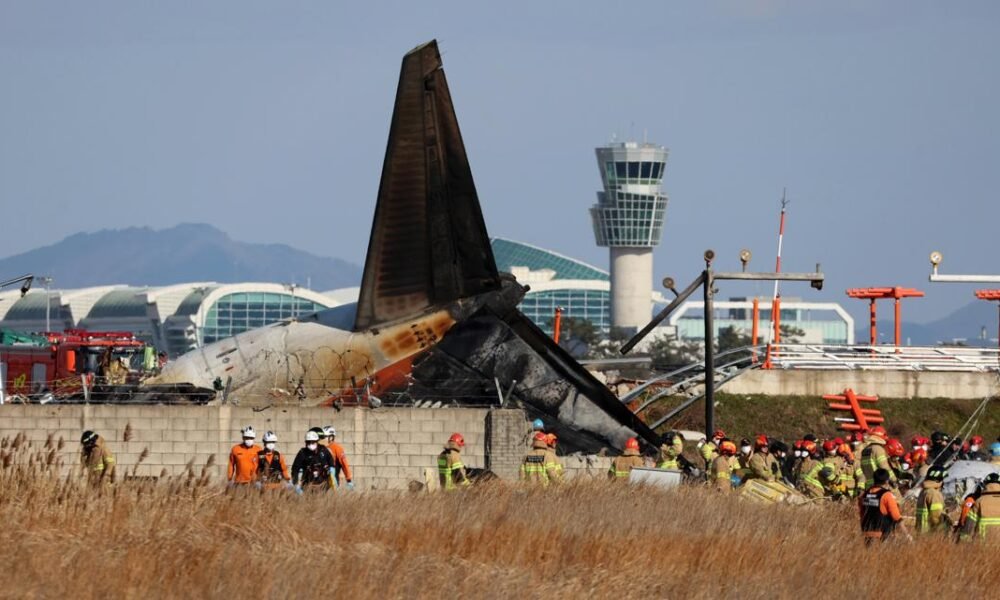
(541, 465)
(96, 458)
(931, 516)
(621, 466)
(874, 456)
(762, 464)
(720, 473)
(451, 471)
(983, 522)
(670, 451)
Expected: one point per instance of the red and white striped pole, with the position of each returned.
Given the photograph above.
(776, 300)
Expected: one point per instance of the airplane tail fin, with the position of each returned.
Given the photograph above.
(429, 243)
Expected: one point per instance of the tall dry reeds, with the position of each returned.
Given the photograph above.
(184, 537)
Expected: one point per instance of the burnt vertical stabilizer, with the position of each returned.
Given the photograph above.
(429, 243)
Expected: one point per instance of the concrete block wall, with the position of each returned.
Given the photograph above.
(387, 448)
(508, 436)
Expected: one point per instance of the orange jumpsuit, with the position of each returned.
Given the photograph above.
(340, 462)
(242, 463)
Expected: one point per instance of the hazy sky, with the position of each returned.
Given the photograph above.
(269, 120)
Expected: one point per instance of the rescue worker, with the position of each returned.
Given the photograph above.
(895, 451)
(721, 472)
(831, 475)
(983, 523)
(809, 471)
(779, 450)
(540, 466)
(340, 465)
(995, 453)
(974, 451)
(746, 451)
(874, 457)
(670, 451)
(243, 459)
(621, 466)
(312, 468)
(879, 510)
(96, 459)
(967, 503)
(551, 440)
(850, 471)
(710, 450)
(272, 471)
(762, 464)
(939, 448)
(795, 462)
(931, 517)
(919, 441)
(451, 471)
(918, 464)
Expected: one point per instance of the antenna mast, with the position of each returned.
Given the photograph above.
(775, 332)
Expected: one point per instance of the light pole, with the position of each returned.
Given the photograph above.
(47, 281)
(707, 280)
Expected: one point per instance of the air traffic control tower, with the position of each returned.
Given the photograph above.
(628, 219)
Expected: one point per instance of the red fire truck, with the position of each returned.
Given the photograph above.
(61, 364)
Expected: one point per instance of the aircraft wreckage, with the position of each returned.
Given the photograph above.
(434, 319)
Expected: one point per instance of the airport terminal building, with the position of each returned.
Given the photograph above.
(175, 319)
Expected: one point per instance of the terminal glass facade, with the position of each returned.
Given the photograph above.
(235, 313)
(589, 305)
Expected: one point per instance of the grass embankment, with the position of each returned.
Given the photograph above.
(790, 417)
(186, 538)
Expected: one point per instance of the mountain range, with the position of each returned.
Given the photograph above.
(142, 256)
(965, 325)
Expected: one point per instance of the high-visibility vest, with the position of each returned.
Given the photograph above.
(925, 506)
(446, 471)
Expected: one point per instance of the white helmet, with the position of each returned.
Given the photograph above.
(248, 432)
(312, 436)
(329, 431)
(270, 437)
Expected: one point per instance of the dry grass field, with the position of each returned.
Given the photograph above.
(188, 538)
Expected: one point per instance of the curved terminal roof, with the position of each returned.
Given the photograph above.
(510, 254)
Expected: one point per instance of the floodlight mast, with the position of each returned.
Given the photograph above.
(707, 280)
(936, 259)
(24, 280)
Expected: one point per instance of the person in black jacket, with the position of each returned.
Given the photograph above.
(313, 466)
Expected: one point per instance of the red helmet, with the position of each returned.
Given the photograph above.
(916, 440)
(727, 448)
(797, 445)
(918, 456)
(976, 440)
(895, 448)
(809, 446)
(632, 444)
(879, 431)
(457, 439)
(838, 440)
(761, 441)
(830, 446)
(857, 437)
(719, 434)
(541, 437)
(845, 451)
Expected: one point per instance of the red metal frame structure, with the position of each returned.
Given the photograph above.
(557, 325)
(861, 418)
(990, 295)
(896, 293)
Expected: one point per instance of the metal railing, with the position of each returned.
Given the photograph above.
(886, 357)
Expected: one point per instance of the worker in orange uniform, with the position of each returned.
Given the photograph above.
(540, 466)
(272, 471)
(880, 516)
(341, 467)
(243, 459)
(762, 464)
(451, 471)
(720, 473)
(621, 466)
(931, 517)
(96, 459)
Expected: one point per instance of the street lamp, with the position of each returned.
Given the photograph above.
(46, 281)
